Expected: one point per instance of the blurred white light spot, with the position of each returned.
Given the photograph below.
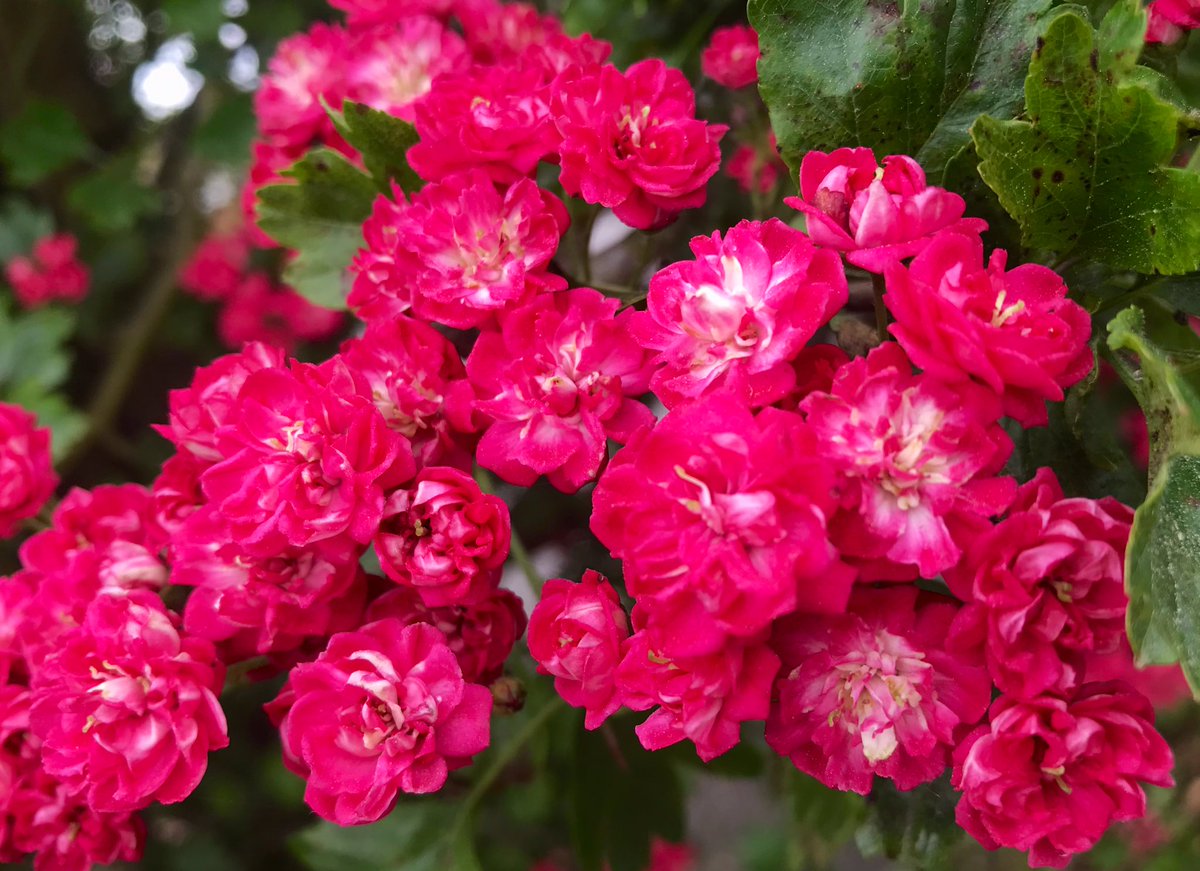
(217, 191)
(235, 8)
(131, 29)
(166, 85)
(243, 68)
(231, 35)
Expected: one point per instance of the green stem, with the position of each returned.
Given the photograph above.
(586, 221)
(517, 550)
(881, 313)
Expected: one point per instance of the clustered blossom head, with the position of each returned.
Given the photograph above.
(27, 478)
(51, 272)
(1169, 19)
(731, 57)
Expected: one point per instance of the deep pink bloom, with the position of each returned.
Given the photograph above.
(481, 635)
(367, 12)
(632, 143)
(460, 253)
(757, 169)
(503, 32)
(266, 604)
(261, 311)
(554, 385)
(916, 463)
(216, 267)
(176, 491)
(735, 316)
(1049, 775)
(383, 710)
(1170, 18)
(305, 459)
(391, 67)
(577, 634)
(406, 368)
(704, 699)
(444, 537)
(1016, 332)
(1047, 585)
(27, 476)
(1164, 685)
(209, 402)
(127, 708)
(51, 272)
(816, 366)
(665, 856)
(305, 69)
(493, 119)
(873, 692)
(719, 518)
(876, 217)
(731, 56)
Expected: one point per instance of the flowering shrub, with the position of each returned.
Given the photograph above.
(547, 464)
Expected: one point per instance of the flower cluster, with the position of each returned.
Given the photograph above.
(52, 271)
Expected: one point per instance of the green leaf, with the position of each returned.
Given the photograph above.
(916, 827)
(907, 77)
(408, 839)
(33, 364)
(320, 215)
(42, 139)
(1087, 173)
(620, 796)
(201, 18)
(823, 820)
(111, 199)
(383, 141)
(20, 227)
(225, 136)
(1162, 563)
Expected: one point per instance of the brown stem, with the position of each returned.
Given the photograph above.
(881, 312)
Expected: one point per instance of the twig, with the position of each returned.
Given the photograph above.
(881, 314)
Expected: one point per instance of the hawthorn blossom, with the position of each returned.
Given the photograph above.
(757, 168)
(370, 12)
(304, 459)
(261, 311)
(1014, 331)
(731, 56)
(460, 253)
(127, 708)
(735, 316)
(703, 699)
(875, 215)
(52, 271)
(1046, 587)
(445, 538)
(577, 633)
(553, 385)
(27, 478)
(631, 142)
(392, 66)
(873, 692)
(383, 710)
(1049, 775)
(719, 518)
(916, 463)
(305, 70)
(407, 368)
(216, 268)
(481, 635)
(1168, 19)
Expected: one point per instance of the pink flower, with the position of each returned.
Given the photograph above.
(756, 169)
(406, 368)
(873, 692)
(199, 410)
(128, 708)
(481, 635)
(553, 385)
(577, 634)
(719, 518)
(52, 272)
(460, 253)
(383, 710)
(305, 69)
(493, 119)
(1164, 685)
(703, 699)
(1169, 18)
(504, 32)
(392, 66)
(264, 604)
(631, 142)
(27, 478)
(1015, 332)
(735, 316)
(216, 267)
(176, 491)
(816, 366)
(368, 12)
(1049, 775)
(444, 537)
(876, 216)
(305, 459)
(916, 463)
(731, 57)
(260, 311)
(1047, 585)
